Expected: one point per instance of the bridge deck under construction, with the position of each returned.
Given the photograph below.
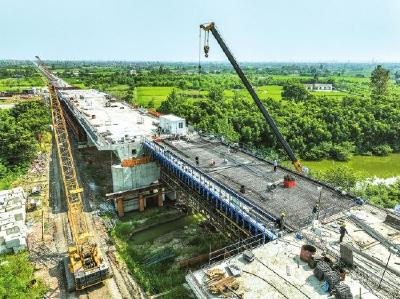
(234, 168)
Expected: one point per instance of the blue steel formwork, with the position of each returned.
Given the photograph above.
(244, 213)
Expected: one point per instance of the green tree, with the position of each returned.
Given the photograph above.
(216, 94)
(18, 145)
(295, 91)
(171, 103)
(342, 152)
(151, 104)
(32, 116)
(3, 170)
(17, 278)
(379, 82)
(386, 196)
(340, 176)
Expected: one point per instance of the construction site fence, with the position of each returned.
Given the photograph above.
(235, 249)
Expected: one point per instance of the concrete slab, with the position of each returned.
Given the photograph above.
(278, 272)
(109, 121)
(234, 168)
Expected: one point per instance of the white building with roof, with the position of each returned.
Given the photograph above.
(12, 220)
(172, 124)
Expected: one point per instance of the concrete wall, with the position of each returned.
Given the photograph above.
(128, 178)
(130, 150)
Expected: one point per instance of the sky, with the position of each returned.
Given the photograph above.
(168, 30)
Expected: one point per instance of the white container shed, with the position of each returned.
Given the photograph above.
(172, 124)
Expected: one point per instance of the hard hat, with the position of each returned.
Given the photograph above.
(317, 205)
(283, 214)
(343, 224)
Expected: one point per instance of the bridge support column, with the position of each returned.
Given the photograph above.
(120, 207)
(142, 203)
(160, 198)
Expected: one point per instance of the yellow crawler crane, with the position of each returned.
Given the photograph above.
(84, 265)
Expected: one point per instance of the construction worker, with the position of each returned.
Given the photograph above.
(242, 189)
(315, 211)
(280, 221)
(343, 231)
(275, 165)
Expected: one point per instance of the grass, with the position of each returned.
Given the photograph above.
(17, 99)
(371, 166)
(146, 94)
(159, 94)
(77, 83)
(179, 239)
(329, 94)
(270, 91)
(7, 181)
(14, 84)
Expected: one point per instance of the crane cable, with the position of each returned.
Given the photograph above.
(199, 67)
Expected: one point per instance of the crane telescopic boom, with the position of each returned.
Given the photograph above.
(210, 27)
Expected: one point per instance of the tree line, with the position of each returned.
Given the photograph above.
(21, 129)
(316, 127)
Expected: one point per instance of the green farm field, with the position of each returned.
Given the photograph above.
(158, 94)
(329, 94)
(18, 85)
(370, 166)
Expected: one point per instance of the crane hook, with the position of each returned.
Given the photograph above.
(206, 43)
(206, 50)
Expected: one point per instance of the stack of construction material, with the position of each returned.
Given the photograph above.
(321, 269)
(342, 291)
(220, 284)
(332, 278)
(13, 229)
(324, 272)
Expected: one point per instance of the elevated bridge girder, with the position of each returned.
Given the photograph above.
(245, 217)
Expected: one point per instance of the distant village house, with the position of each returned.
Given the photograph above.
(318, 87)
